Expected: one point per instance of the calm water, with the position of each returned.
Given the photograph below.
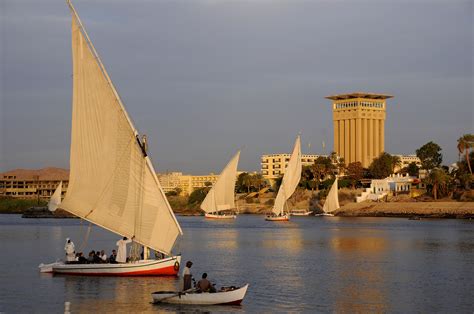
(310, 264)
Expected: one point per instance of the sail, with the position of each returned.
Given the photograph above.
(221, 196)
(332, 200)
(290, 181)
(55, 199)
(112, 182)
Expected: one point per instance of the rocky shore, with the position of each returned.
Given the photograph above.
(460, 210)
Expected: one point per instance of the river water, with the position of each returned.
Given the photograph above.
(309, 264)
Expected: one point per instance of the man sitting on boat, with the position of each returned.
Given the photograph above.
(205, 285)
(187, 276)
(70, 251)
(113, 257)
(122, 250)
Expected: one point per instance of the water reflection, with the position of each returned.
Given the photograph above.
(360, 279)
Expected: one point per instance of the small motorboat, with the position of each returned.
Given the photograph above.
(324, 214)
(284, 217)
(300, 212)
(225, 296)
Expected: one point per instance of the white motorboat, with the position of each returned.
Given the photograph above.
(112, 181)
(220, 200)
(229, 296)
(300, 212)
(291, 179)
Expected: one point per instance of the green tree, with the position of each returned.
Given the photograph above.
(197, 196)
(396, 162)
(382, 166)
(247, 182)
(438, 182)
(430, 155)
(465, 144)
(322, 167)
(207, 184)
(308, 179)
(355, 172)
(412, 169)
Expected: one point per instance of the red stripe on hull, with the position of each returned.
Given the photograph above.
(166, 271)
(232, 303)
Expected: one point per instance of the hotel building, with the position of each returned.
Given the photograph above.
(23, 183)
(274, 165)
(359, 126)
(187, 183)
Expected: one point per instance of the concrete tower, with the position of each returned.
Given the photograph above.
(359, 126)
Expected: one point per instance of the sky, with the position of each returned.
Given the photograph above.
(204, 78)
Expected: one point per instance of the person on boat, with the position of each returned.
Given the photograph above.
(113, 257)
(122, 250)
(103, 256)
(90, 258)
(80, 258)
(187, 276)
(205, 285)
(70, 251)
(97, 258)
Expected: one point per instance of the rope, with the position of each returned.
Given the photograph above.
(86, 237)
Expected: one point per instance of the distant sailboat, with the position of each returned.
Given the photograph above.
(332, 201)
(55, 199)
(112, 181)
(291, 179)
(221, 197)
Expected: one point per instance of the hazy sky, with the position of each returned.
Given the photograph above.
(203, 78)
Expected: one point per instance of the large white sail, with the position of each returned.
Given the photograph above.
(55, 199)
(112, 182)
(290, 181)
(221, 196)
(332, 200)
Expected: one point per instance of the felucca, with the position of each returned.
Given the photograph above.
(55, 199)
(220, 200)
(332, 201)
(112, 181)
(291, 178)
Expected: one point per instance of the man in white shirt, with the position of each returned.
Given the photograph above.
(70, 250)
(122, 250)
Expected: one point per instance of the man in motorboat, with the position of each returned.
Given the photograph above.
(113, 257)
(204, 285)
(187, 276)
(70, 250)
(122, 249)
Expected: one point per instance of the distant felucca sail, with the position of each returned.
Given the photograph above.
(290, 181)
(332, 200)
(221, 197)
(55, 199)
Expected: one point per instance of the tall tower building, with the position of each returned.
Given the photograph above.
(359, 126)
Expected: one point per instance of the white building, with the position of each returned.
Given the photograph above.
(379, 188)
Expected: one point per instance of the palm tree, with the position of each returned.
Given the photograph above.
(465, 144)
(439, 180)
(396, 162)
(247, 182)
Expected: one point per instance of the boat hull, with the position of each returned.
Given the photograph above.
(324, 215)
(278, 218)
(164, 267)
(216, 216)
(301, 214)
(234, 297)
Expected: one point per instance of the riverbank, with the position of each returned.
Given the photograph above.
(461, 210)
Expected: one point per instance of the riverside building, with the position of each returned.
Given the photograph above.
(359, 126)
(273, 166)
(41, 183)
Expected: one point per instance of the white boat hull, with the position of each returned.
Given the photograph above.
(218, 216)
(285, 217)
(324, 214)
(163, 267)
(301, 214)
(234, 297)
